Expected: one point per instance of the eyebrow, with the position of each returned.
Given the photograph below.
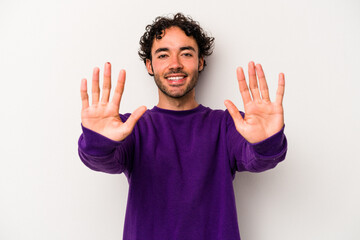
(161, 50)
(187, 48)
(182, 49)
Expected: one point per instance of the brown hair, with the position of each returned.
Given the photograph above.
(187, 24)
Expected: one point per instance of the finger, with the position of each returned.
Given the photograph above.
(84, 94)
(281, 89)
(253, 82)
(244, 90)
(95, 90)
(107, 83)
(134, 117)
(119, 89)
(262, 82)
(234, 113)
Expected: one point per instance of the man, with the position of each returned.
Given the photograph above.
(180, 157)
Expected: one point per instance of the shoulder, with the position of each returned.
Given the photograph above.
(200, 111)
(219, 114)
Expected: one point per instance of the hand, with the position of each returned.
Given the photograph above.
(263, 118)
(103, 117)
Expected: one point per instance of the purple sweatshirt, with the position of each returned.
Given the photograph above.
(180, 166)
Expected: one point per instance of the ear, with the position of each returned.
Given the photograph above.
(149, 67)
(201, 64)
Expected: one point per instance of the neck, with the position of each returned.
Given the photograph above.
(186, 102)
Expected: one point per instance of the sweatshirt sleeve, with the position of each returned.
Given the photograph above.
(257, 157)
(103, 154)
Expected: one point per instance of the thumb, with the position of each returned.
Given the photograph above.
(134, 117)
(234, 113)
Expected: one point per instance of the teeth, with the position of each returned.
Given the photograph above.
(175, 78)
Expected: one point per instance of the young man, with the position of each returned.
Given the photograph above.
(180, 157)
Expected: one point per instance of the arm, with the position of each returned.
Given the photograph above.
(104, 144)
(102, 154)
(261, 143)
(255, 157)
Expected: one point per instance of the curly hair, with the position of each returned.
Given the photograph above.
(187, 24)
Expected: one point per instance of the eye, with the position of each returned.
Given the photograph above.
(162, 56)
(187, 54)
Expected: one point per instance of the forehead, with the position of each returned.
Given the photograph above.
(174, 38)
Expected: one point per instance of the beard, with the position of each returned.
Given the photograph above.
(190, 86)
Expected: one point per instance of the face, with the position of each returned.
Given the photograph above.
(175, 63)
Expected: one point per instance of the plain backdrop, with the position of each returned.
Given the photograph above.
(47, 47)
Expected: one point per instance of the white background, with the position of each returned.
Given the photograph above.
(46, 47)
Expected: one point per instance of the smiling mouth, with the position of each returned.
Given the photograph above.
(176, 79)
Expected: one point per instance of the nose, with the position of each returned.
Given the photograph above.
(175, 63)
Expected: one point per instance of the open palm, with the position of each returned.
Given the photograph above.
(263, 118)
(103, 116)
